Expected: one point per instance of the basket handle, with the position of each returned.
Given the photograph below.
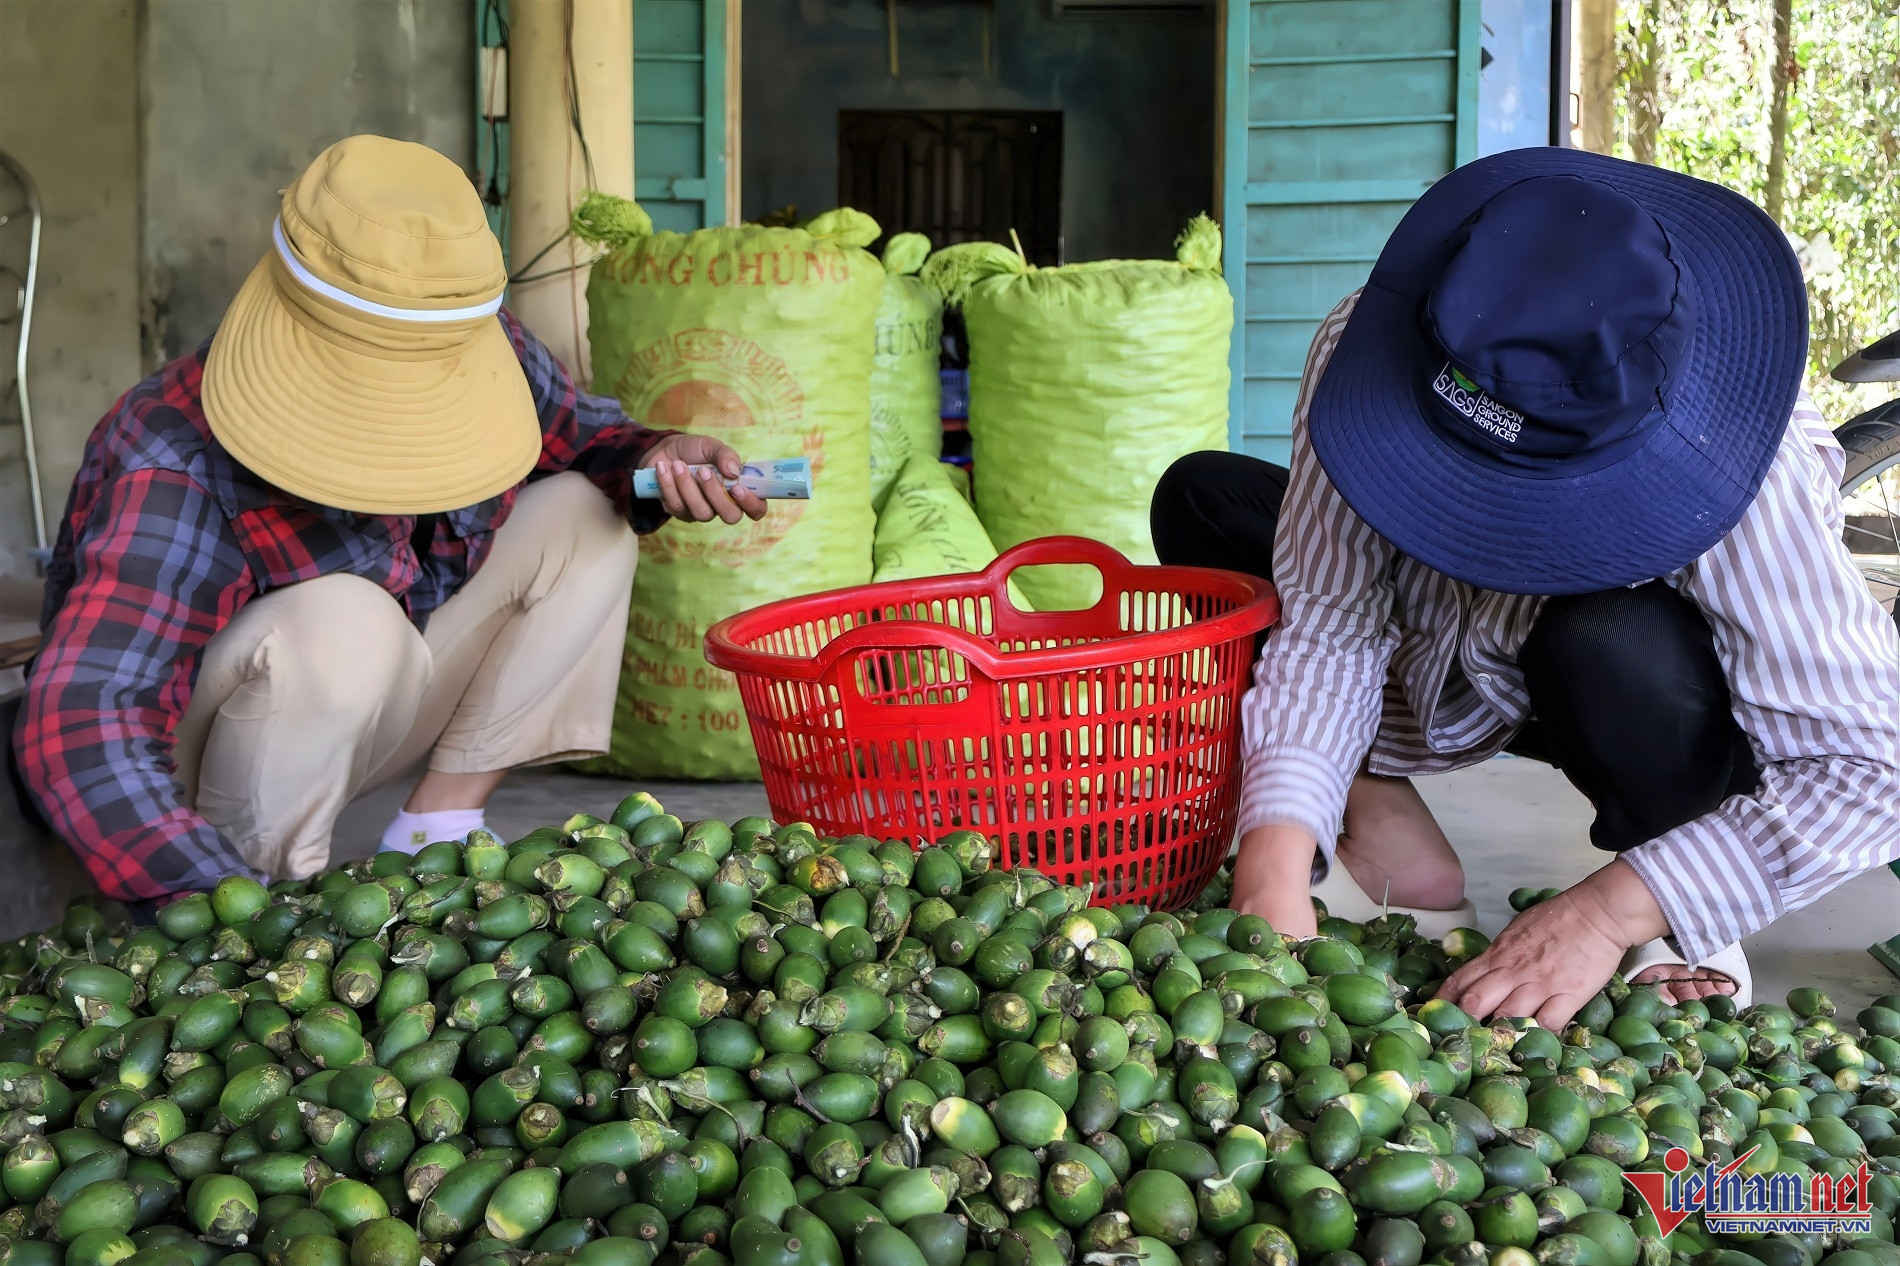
(1118, 574)
(1082, 551)
(894, 635)
(924, 635)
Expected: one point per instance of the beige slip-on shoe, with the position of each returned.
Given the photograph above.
(1730, 962)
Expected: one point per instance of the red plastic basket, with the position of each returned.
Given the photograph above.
(1097, 745)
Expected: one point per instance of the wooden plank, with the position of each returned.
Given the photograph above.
(1324, 230)
(491, 135)
(1218, 194)
(19, 650)
(1350, 28)
(1278, 351)
(735, 114)
(1419, 152)
(683, 110)
(1268, 193)
(1411, 90)
(713, 127)
(1470, 60)
(1377, 120)
(670, 189)
(1355, 59)
(1309, 289)
(1236, 16)
(1354, 109)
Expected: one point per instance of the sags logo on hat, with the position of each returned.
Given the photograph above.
(1732, 1202)
(1480, 408)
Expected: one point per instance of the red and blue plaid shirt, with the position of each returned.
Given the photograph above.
(165, 537)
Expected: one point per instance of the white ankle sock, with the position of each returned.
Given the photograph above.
(410, 831)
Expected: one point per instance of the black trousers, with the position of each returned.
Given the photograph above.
(1627, 696)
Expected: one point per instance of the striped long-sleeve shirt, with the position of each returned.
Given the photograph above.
(1359, 672)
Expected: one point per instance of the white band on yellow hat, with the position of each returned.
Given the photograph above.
(311, 281)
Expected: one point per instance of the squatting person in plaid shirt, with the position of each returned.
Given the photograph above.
(371, 521)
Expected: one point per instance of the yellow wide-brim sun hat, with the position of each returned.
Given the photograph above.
(362, 364)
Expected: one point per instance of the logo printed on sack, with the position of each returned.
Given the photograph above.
(787, 265)
(1732, 1202)
(897, 339)
(714, 381)
(1483, 410)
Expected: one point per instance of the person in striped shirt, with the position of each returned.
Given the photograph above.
(1555, 490)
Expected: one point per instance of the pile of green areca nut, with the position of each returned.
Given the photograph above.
(634, 1041)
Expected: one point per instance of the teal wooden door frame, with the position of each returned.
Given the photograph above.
(682, 138)
(491, 135)
(1336, 116)
(680, 60)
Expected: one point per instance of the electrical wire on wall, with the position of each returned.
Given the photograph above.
(578, 175)
(577, 133)
(574, 98)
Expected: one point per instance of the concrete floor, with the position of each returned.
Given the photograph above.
(545, 797)
(1515, 823)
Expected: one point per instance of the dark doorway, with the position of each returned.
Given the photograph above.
(957, 175)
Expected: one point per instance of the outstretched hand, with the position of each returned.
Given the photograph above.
(699, 496)
(1556, 955)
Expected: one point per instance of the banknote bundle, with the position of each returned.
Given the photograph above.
(786, 479)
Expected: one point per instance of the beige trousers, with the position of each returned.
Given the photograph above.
(322, 690)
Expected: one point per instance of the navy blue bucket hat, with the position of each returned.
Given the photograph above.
(1566, 373)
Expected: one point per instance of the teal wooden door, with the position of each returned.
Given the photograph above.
(681, 158)
(1337, 115)
(491, 116)
(680, 161)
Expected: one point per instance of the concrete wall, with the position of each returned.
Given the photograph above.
(69, 115)
(158, 132)
(1137, 93)
(239, 94)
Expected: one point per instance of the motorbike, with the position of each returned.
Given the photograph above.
(1870, 491)
(1870, 482)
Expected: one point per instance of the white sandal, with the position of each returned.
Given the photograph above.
(1731, 962)
(1345, 899)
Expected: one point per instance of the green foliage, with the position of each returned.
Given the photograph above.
(1713, 87)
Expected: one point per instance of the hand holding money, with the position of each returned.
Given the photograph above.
(695, 477)
(784, 479)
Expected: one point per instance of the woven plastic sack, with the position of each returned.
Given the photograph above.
(906, 391)
(764, 338)
(1086, 382)
(927, 528)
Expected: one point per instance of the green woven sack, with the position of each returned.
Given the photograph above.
(926, 528)
(1086, 381)
(906, 389)
(763, 337)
